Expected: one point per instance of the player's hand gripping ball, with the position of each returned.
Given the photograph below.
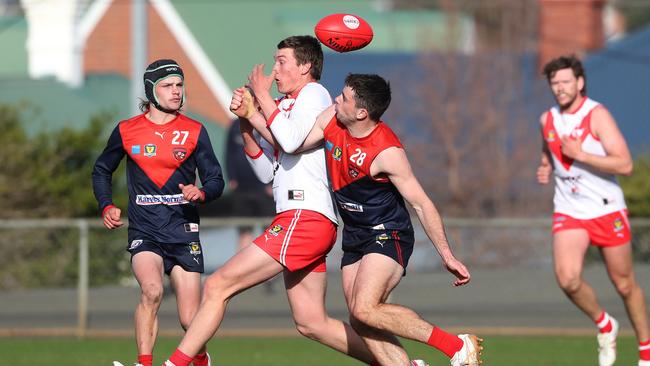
(343, 32)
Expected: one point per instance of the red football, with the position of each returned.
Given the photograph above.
(343, 32)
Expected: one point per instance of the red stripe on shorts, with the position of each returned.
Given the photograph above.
(287, 237)
(398, 248)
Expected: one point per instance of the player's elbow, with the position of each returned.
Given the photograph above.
(289, 147)
(266, 179)
(627, 168)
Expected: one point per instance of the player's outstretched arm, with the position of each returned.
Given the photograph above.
(258, 154)
(316, 135)
(242, 105)
(394, 163)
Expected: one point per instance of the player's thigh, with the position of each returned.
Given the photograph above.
(187, 287)
(248, 267)
(618, 261)
(348, 277)
(569, 248)
(306, 293)
(148, 269)
(376, 277)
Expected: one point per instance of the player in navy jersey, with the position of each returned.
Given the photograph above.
(164, 149)
(371, 177)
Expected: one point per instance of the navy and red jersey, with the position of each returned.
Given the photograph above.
(159, 157)
(365, 203)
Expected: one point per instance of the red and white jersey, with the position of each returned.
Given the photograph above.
(581, 191)
(299, 180)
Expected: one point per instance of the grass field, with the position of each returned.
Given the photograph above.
(499, 351)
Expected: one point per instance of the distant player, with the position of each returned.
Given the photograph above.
(585, 150)
(164, 149)
(371, 177)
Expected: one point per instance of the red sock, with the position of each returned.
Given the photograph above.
(201, 359)
(445, 342)
(180, 359)
(604, 323)
(644, 351)
(145, 360)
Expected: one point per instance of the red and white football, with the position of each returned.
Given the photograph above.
(343, 32)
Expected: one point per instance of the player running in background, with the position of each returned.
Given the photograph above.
(164, 149)
(371, 177)
(304, 229)
(585, 150)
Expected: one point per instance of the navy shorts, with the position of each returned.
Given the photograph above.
(187, 255)
(396, 244)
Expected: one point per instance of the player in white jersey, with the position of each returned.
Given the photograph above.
(585, 150)
(304, 230)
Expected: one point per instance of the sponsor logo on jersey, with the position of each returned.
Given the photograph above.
(149, 150)
(337, 153)
(352, 172)
(297, 195)
(160, 199)
(161, 134)
(179, 153)
(577, 132)
(618, 225)
(329, 145)
(135, 244)
(195, 248)
(275, 230)
(191, 227)
(354, 207)
(135, 149)
(551, 136)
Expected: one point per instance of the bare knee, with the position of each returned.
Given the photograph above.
(361, 315)
(309, 330)
(569, 283)
(151, 294)
(217, 288)
(625, 286)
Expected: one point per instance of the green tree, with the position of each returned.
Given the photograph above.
(637, 189)
(48, 175)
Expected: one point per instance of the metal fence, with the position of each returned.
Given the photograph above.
(498, 244)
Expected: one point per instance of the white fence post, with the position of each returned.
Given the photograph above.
(82, 285)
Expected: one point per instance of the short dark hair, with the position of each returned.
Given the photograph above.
(371, 92)
(566, 62)
(306, 49)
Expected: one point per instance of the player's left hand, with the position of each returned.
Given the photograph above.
(571, 147)
(458, 269)
(259, 82)
(192, 193)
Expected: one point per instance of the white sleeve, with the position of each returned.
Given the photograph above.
(263, 163)
(292, 130)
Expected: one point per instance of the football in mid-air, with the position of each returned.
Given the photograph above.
(343, 32)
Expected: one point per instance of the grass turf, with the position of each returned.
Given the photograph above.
(499, 351)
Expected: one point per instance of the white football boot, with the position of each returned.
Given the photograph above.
(644, 363)
(418, 363)
(117, 363)
(607, 345)
(470, 354)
